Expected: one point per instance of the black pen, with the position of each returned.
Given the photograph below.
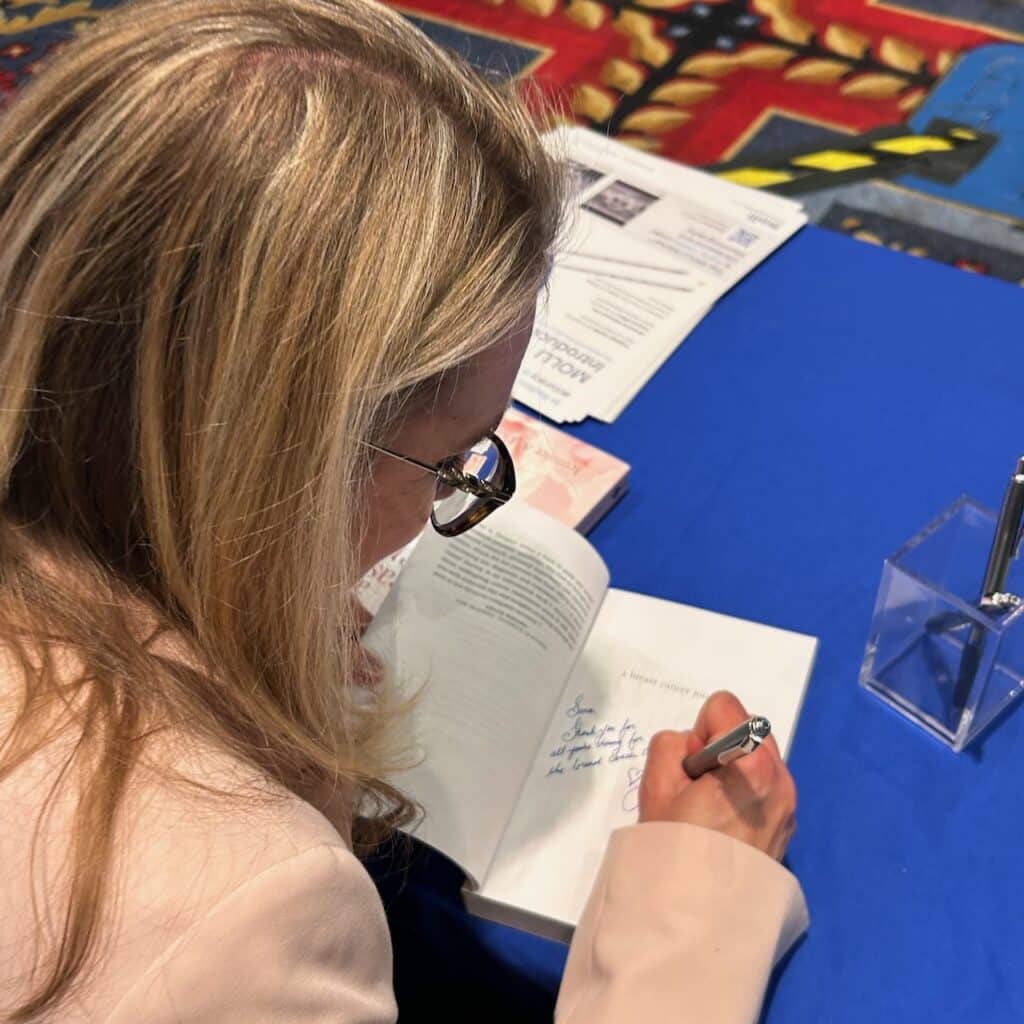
(1005, 543)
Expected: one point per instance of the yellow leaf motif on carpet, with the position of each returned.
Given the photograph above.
(655, 120)
(899, 54)
(684, 91)
(592, 102)
(622, 75)
(587, 13)
(817, 71)
(874, 87)
(785, 22)
(645, 45)
(47, 16)
(653, 51)
(846, 41)
(764, 57)
(718, 65)
(711, 65)
(634, 25)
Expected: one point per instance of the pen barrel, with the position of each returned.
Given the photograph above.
(696, 765)
(744, 739)
(1004, 541)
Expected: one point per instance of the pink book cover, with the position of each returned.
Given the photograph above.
(568, 479)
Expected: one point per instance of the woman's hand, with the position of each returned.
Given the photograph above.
(752, 799)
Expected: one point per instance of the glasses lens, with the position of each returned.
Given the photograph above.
(483, 463)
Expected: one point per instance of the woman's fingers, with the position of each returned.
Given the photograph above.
(722, 712)
(664, 770)
(663, 776)
(752, 799)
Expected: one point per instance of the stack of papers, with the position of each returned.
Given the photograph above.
(649, 247)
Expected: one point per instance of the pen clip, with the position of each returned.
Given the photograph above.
(737, 752)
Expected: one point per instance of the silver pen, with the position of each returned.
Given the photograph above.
(744, 739)
(1005, 545)
(1007, 538)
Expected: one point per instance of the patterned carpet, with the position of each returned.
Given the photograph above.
(707, 81)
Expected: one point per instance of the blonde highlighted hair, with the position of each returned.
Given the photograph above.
(239, 237)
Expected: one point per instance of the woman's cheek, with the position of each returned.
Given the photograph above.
(414, 509)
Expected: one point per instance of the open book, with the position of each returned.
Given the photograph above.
(542, 690)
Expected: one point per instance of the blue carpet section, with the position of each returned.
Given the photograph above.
(985, 90)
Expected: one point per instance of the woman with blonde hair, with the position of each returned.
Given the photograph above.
(257, 255)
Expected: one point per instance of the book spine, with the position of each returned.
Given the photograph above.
(611, 498)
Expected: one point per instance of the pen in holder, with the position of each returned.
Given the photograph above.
(937, 652)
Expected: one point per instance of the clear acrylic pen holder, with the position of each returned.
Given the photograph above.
(933, 654)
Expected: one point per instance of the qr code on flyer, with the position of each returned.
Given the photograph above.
(743, 237)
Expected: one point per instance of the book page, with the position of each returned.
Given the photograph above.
(647, 665)
(491, 622)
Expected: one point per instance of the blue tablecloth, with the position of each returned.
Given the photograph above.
(826, 409)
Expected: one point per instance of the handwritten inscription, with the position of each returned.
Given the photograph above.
(589, 741)
(589, 738)
(578, 708)
(580, 727)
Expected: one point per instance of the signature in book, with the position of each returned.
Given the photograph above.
(631, 798)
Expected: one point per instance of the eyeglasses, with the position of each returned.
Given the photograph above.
(470, 486)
